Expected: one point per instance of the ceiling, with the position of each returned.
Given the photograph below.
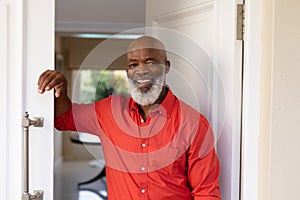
(105, 16)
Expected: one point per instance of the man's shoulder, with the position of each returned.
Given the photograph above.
(186, 108)
(190, 113)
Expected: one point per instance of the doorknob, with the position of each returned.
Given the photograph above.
(26, 123)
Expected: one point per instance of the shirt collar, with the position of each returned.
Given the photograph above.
(165, 107)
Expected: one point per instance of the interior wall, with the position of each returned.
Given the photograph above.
(285, 148)
(265, 102)
(279, 135)
(100, 53)
(74, 52)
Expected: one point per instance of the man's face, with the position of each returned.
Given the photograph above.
(146, 69)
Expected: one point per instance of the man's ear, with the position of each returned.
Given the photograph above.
(168, 65)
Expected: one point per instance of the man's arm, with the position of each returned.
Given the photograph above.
(68, 116)
(54, 80)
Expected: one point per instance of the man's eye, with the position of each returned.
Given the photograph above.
(150, 64)
(133, 65)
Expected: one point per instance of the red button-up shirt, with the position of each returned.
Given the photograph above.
(169, 156)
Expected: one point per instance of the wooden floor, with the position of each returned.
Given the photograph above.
(68, 174)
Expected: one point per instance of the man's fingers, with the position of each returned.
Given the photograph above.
(46, 81)
(42, 78)
(51, 79)
(53, 82)
(59, 89)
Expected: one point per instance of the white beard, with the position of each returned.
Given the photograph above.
(149, 97)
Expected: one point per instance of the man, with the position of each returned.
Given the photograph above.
(155, 146)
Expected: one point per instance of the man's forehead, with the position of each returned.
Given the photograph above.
(144, 50)
(146, 53)
(146, 42)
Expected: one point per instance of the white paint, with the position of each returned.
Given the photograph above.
(39, 57)
(11, 37)
(3, 101)
(212, 25)
(23, 59)
(228, 61)
(251, 100)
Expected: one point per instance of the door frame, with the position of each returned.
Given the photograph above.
(251, 100)
(11, 145)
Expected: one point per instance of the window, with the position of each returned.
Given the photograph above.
(92, 85)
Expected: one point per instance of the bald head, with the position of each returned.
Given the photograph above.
(147, 42)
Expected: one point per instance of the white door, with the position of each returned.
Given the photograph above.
(211, 24)
(26, 49)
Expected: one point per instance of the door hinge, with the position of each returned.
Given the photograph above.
(240, 20)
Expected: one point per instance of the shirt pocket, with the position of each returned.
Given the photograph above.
(166, 161)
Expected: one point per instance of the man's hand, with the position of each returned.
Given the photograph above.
(52, 79)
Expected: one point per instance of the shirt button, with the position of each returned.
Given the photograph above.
(143, 145)
(142, 120)
(143, 191)
(143, 168)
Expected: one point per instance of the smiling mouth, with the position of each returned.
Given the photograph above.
(144, 83)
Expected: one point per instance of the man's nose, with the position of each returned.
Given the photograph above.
(143, 69)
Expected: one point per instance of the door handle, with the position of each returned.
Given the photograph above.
(26, 123)
(37, 195)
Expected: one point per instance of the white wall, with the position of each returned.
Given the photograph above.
(279, 135)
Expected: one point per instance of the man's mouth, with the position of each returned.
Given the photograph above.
(144, 83)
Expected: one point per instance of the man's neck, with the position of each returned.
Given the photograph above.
(145, 110)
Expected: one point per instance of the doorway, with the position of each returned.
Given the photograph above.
(80, 27)
(207, 17)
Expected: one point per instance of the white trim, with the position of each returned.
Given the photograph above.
(203, 8)
(251, 99)
(13, 92)
(71, 26)
(3, 101)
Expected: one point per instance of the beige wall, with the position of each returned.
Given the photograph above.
(75, 51)
(279, 163)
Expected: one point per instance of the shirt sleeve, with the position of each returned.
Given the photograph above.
(203, 165)
(80, 117)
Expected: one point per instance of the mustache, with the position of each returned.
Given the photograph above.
(147, 76)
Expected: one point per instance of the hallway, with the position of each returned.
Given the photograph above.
(68, 174)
